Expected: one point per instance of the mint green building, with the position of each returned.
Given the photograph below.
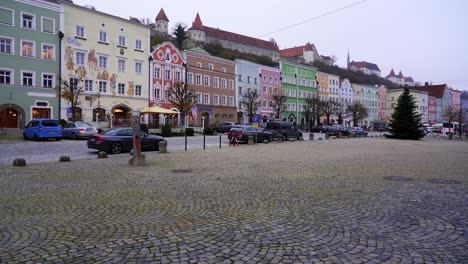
(29, 61)
(298, 82)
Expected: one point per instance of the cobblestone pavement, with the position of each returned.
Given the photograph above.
(334, 201)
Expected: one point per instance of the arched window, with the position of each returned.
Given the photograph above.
(99, 114)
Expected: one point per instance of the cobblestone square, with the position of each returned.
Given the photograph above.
(366, 200)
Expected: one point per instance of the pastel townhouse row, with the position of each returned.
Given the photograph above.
(30, 33)
(421, 99)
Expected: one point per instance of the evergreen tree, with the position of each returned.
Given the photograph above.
(406, 122)
(180, 35)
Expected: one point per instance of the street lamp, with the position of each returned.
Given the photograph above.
(150, 59)
(60, 35)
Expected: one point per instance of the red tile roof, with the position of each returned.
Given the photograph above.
(162, 16)
(391, 74)
(297, 51)
(364, 64)
(434, 90)
(409, 79)
(234, 37)
(400, 75)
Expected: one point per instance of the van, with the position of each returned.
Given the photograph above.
(284, 130)
(43, 128)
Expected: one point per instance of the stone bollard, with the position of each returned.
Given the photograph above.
(279, 138)
(162, 146)
(250, 140)
(19, 162)
(311, 136)
(102, 155)
(64, 158)
(338, 135)
(327, 135)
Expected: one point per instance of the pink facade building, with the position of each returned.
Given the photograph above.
(382, 93)
(456, 99)
(270, 84)
(167, 70)
(432, 111)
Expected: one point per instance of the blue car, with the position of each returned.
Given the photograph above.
(43, 129)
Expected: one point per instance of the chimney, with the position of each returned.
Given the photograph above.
(426, 83)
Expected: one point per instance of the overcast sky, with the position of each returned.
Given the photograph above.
(425, 39)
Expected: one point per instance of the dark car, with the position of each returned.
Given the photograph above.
(43, 128)
(320, 128)
(338, 131)
(76, 130)
(120, 140)
(357, 131)
(284, 129)
(242, 134)
(225, 127)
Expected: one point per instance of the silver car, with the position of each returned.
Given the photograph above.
(78, 130)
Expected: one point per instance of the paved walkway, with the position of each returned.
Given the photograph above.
(368, 200)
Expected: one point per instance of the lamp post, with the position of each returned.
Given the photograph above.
(60, 35)
(150, 59)
(297, 97)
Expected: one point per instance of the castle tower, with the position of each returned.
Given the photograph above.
(347, 65)
(161, 23)
(197, 31)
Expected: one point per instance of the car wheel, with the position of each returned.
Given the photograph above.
(270, 138)
(284, 137)
(298, 136)
(116, 148)
(156, 146)
(57, 139)
(74, 137)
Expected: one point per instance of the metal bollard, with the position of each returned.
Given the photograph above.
(219, 140)
(279, 138)
(250, 140)
(311, 136)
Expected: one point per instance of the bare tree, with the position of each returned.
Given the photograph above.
(278, 104)
(182, 98)
(146, 21)
(251, 101)
(449, 115)
(358, 111)
(312, 109)
(330, 108)
(70, 92)
(461, 118)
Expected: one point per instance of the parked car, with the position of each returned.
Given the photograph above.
(120, 140)
(284, 129)
(242, 134)
(357, 131)
(76, 130)
(260, 125)
(43, 128)
(338, 131)
(225, 127)
(320, 128)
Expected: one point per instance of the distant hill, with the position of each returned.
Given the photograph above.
(219, 51)
(464, 95)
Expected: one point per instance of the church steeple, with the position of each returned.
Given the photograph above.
(347, 64)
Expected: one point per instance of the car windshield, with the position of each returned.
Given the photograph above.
(236, 129)
(50, 123)
(84, 125)
(111, 132)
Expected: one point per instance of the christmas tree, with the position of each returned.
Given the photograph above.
(406, 121)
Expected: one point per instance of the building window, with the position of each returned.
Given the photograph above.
(28, 21)
(88, 85)
(103, 36)
(157, 72)
(48, 25)
(80, 31)
(231, 100)
(223, 83)
(210, 66)
(27, 78)
(223, 70)
(198, 80)
(264, 104)
(240, 90)
(121, 65)
(199, 98)
(207, 98)
(80, 58)
(122, 41)
(157, 93)
(264, 78)
(47, 80)
(138, 44)
(207, 80)
(27, 48)
(231, 84)
(255, 80)
(168, 74)
(121, 88)
(6, 45)
(270, 90)
(48, 52)
(138, 66)
(6, 76)
(276, 79)
(190, 78)
(6, 16)
(264, 89)
(240, 78)
(102, 62)
(138, 90)
(216, 82)
(216, 99)
(198, 64)
(223, 100)
(102, 86)
(177, 76)
(248, 79)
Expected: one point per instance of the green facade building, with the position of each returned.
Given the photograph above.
(29, 61)
(298, 82)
